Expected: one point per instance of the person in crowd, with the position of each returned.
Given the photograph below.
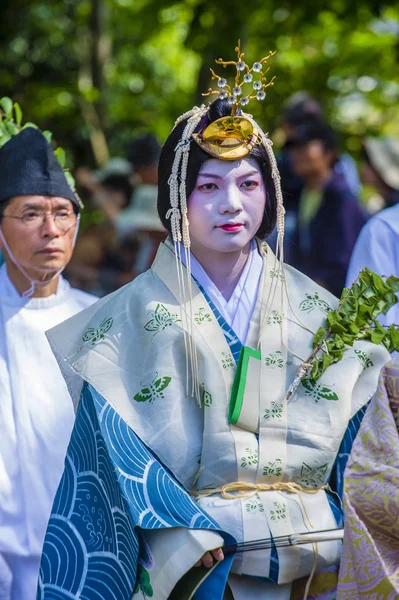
(102, 262)
(39, 218)
(377, 246)
(182, 379)
(302, 110)
(381, 168)
(329, 215)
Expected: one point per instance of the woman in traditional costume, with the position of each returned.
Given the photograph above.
(196, 427)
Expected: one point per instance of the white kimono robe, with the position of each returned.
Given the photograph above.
(36, 419)
(129, 349)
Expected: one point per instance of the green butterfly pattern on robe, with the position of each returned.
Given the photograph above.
(318, 391)
(312, 477)
(364, 359)
(143, 582)
(154, 390)
(206, 396)
(312, 302)
(96, 334)
(160, 320)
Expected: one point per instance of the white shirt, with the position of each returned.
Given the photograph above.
(36, 420)
(377, 248)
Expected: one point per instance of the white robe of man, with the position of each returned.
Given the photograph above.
(36, 420)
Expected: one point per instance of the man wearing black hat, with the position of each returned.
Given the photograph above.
(39, 218)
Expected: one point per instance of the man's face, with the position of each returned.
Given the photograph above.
(42, 249)
(311, 160)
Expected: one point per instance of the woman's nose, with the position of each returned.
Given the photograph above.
(232, 200)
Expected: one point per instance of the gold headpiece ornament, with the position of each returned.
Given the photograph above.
(229, 138)
(233, 137)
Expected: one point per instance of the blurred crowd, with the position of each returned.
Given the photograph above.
(322, 189)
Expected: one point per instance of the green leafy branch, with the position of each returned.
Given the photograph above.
(355, 319)
(11, 124)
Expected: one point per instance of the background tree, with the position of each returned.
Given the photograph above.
(96, 72)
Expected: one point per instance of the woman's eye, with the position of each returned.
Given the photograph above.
(207, 187)
(250, 184)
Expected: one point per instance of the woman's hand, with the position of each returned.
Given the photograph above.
(207, 559)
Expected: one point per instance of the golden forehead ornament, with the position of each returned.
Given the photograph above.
(234, 137)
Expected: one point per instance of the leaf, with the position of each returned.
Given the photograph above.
(29, 124)
(393, 335)
(6, 105)
(60, 154)
(70, 180)
(327, 361)
(393, 283)
(319, 336)
(18, 113)
(48, 135)
(376, 336)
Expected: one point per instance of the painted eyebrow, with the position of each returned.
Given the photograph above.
(212, 175)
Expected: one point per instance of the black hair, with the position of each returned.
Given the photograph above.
(120, 183)
(316, 131)
(302, 110)
(197, 156)
(144, 151)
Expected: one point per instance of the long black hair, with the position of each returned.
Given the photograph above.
(219, 108)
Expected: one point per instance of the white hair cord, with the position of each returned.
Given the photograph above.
(180, 233)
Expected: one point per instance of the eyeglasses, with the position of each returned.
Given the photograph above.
(33, 219)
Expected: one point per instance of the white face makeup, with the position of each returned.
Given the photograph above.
(227, 206)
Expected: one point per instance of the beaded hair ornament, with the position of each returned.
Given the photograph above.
(228, 138)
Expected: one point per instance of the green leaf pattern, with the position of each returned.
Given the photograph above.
(254, 505)
(274, 359)
(276, 318)
(273, 468)
(275, 412)
(280, 512)
(227, 361)
(201, 316)
(250, 458)
(276, 274)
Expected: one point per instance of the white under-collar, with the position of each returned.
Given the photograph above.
(9, 293)
(237, 311)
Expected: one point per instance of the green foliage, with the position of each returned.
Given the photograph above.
(356, 319)
(154, 57)
(11, 124)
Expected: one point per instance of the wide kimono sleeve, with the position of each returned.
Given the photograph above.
(121, 525)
